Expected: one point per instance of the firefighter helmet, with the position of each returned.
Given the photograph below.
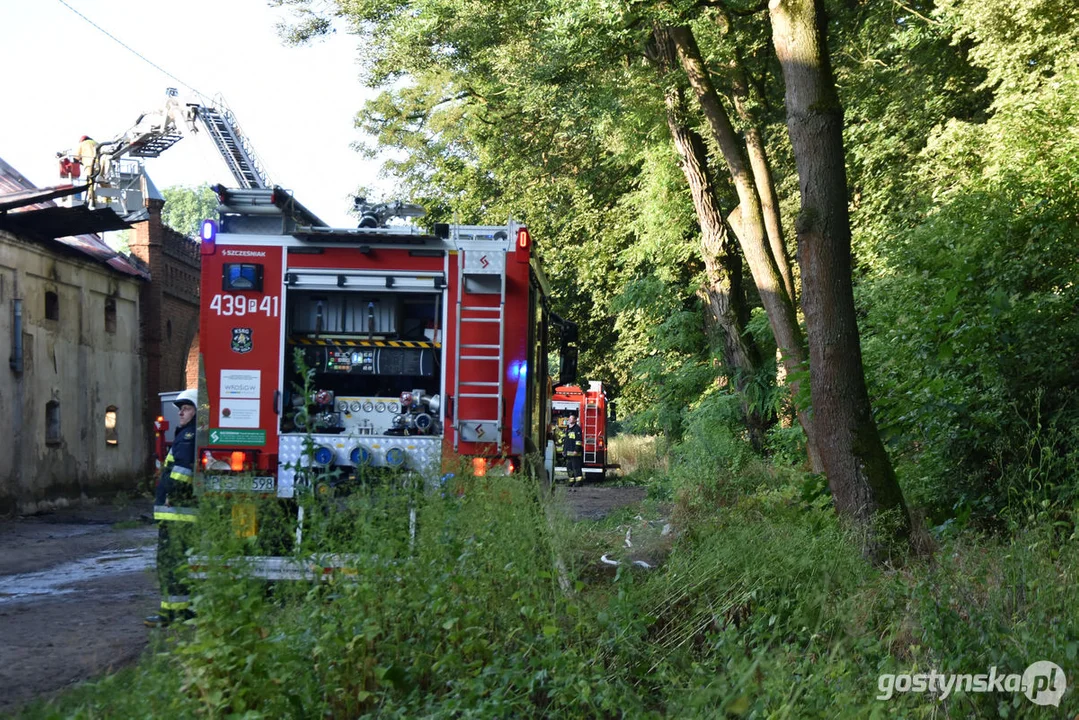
(187, 396)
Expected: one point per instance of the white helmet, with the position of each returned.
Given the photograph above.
(187, 396)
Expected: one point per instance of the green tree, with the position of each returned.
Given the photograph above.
(186, 207)
(958, 196)
(967, 291)
(857, 466)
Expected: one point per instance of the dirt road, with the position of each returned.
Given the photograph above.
(74, 587)
(594, 502)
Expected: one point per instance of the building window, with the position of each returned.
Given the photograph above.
(52, 422)
(111, 436)
(110, 315)
(168, 329)
(52, 305)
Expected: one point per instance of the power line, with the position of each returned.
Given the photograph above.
(136, 53)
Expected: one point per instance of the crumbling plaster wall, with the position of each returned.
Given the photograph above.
(86, 360)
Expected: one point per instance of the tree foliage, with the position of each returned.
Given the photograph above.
(186, 207)
(972, 316)
(961, 162)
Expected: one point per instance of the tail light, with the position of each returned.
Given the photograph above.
(228, 460)
(213, 462)
(479, 467)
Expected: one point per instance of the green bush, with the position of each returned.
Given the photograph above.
(497, 608)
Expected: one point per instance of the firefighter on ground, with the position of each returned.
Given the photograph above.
(175, 513)
(573, 450)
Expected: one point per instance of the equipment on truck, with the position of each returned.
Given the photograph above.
(333, 356)
(113, 170)
(590, 407)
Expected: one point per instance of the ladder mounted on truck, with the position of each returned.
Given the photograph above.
(480, 331)
(223, 130)
(116, 173)
(589, 426)
(157, 131)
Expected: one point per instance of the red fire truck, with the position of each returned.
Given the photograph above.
(335, 352)
(590, 407)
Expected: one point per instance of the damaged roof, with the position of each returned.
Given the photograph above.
(31, 212)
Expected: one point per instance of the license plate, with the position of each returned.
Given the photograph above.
(239, 484)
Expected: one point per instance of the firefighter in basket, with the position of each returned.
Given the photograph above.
(573, 451)
(175, 513)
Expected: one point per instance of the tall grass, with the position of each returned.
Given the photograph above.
(763, 609)
(639, 456)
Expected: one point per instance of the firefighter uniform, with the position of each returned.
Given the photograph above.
(175, 513)
(573, 452)
(86, 155)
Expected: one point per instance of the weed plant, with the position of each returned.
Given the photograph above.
(496, 607)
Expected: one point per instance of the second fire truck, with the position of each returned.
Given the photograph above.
(590, 406)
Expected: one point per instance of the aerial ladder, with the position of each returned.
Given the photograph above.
(115, 174)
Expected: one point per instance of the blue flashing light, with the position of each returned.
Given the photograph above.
(518, 370)
(208, 232)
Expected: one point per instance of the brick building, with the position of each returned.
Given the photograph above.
(170, 305)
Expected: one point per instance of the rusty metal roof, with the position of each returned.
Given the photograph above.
(30, 212)
(61, 222)
(34, 196)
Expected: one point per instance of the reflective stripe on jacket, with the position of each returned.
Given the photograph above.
(177, 514)
(181, 474)
(573, 440)
(176, 602)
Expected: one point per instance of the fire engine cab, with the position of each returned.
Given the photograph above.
(339, 352)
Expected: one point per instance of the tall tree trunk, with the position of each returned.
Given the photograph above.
(762, 175)
(859, 472)
(751, 233)
(723, 265)
(723, 268)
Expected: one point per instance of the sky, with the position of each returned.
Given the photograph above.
(64, 78)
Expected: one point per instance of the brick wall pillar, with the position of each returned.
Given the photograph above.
(147, 245)
(192, 365)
